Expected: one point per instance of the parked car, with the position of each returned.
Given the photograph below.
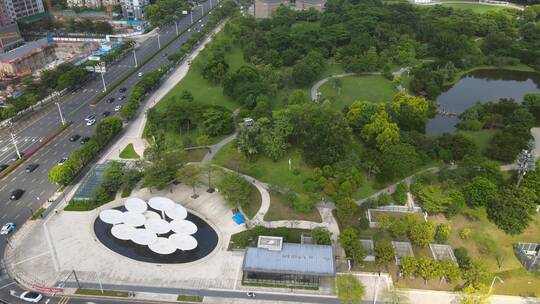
(122, 97)
(31, 168)
(110, 100)
(7, 228)
(3, 167)
(31, 296)
(90, 117)
(85, 140)
(140, 74)
(62, 161)
(74, 137)
(122, 90)
(91, 122)
(16, 194)
(117, 108)
(106, 113)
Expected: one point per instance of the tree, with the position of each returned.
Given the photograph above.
(189, 175)
(400, 194)
(350, 242)
(384, 252)
(217, 122)
(480, 192)
(442, 232)
(349, 289)
(427, 269)
(215, 67)
(235, 189)
(409, 266)
(512, 211)
(422, 234)
(209, 171)
(398, 161)
(345, 209)
(532, 103)
(322, 236)
(163, 170)
(451, 270)
(475, 273)
(361, 113)
(474, 295)
(411, 112)
(296, 97)
(381, 132)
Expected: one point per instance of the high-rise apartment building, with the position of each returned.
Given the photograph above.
(133, 9)
(16, 9)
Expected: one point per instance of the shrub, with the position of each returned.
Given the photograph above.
(465, 233)
(321, 236)
(442, 232)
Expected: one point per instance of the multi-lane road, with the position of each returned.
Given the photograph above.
(75, 107)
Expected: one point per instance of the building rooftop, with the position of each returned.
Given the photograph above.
(304, 259)
(23, 50)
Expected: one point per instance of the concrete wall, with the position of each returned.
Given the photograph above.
(28, 63)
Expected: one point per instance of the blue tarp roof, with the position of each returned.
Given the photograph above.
(239, 218)
(304, 259)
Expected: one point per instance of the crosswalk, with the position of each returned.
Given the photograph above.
(63, 300)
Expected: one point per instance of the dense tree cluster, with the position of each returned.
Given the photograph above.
(162, 12)
(71, 25)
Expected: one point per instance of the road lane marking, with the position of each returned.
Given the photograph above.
(32, 258)
(16, 216)
(2, 287)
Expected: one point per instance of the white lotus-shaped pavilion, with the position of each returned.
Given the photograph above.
(146, 227)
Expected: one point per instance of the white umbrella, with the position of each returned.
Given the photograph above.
(136, 205)
(161, 203)
(151, 215)
(111, 216)
(177, 212)
(183, 242)
(123, 232)
(133, 218)
(183, 227)
(158, 226)
(144, 237)
(162, 246)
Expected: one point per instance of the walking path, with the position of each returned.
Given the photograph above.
(213, 149)
(508, 4)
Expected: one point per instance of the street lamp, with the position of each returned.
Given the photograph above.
(493, 282)
(135, 56)
(158, 41)
(14, 140)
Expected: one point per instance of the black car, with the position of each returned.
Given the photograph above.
(31, 167)
(85, 140)
(165, 55)
(122, 97)
(16, 194)
(74, 137)
(3, 167)
(106, 113)
(110, 100)
(122, 90)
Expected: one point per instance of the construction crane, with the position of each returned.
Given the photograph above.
(7, 36)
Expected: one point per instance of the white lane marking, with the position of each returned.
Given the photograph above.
(31, 258)
(16, 216)
(2, 287)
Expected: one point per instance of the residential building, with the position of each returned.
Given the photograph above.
(10, 37)
(302, 5)
(133, 9)
(91, 3)
(27, 59)
(277, 263)
(5, 17)
(16, 9)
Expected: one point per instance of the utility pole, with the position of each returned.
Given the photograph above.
(14, 141)
(61, 116)
(135, 56)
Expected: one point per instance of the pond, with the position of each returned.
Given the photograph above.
(483, 86)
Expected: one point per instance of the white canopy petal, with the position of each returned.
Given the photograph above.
(134, 219)
(183, 242)
(123, 232)
(158, 226)
(161, 203)
(183, 227)
(111, 216)
(178, 212)
(162, 246)
(151, 215)
(136, 205)
(144, 237)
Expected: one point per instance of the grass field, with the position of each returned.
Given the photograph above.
(129, 153)
(494, 247)
(196, 155)
(480, 138)
(369, 88)
(475, 7)
(254, 204)
(280, 210)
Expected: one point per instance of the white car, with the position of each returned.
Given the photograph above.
(31, 296)
(90, 122)
(7, 228)
(140, 74)
(62, 161)
(117, 108)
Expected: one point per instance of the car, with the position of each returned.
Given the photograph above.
(62, 161)
(3, 167)
(85, 140)
(110, 100)
(90, 117)
(106, 113)
(91, 122)
(122, 90)
(140, 74)
(31, 296)
(74, 137)
(7, 228)
(15, 156)
(117, 108)
(31, 168)
(16, 194)
(122, 97)
(165, 55)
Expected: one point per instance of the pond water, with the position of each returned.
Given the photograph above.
(483, 86)
(206, 237)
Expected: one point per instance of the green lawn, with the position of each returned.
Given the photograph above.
(475, 7)
(196, 155)
(280, 210)
(369, 88)
(189, 298)
(105, 293)
(265, 169)
(255, 201)
(480, 138)
(129, 153)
